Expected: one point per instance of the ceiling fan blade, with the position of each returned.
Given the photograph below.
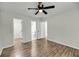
(49, 7)
(36, 12)
(44, 12)
(33, 8)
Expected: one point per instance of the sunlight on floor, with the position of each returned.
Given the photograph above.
(18, 47)
(35, 46)
(34, 49)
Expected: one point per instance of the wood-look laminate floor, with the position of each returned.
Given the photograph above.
(40, 48)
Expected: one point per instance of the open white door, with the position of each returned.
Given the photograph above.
(33, 30)
(17, 28)
(43, 31)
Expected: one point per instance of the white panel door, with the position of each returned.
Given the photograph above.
(33, 30)
(17, 28)
(43, 31)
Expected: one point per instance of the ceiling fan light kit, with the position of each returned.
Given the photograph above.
(40, 8)
(40, 11)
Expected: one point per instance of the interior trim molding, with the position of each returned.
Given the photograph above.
(1, 50)
(64, 44)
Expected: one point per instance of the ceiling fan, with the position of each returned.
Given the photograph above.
(41, 8)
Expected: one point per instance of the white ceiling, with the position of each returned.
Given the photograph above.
(21, 7)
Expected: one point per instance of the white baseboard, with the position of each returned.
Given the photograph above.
(64, 44)
(1, 50)
(10, 46)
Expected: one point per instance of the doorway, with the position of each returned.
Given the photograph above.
(38, 29)
(17, 28)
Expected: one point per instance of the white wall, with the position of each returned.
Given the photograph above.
(6, 28)
(64, 28)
